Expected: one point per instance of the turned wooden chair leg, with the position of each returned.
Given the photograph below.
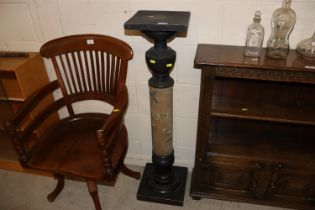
(92, 187)
(130, 172)
(60, 184)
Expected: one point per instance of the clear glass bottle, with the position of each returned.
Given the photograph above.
(255, 37)
(282, 22)
(306, 48)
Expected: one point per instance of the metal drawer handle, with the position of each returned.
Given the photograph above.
(259, 165)
(311, 190)
(254, 184)
(279, 166)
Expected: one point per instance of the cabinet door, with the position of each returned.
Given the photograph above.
(232, 176)
(292, 186)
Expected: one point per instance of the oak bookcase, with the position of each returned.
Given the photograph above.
(256, 128)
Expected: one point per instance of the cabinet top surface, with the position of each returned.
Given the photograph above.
(233, 56)
(8, 64)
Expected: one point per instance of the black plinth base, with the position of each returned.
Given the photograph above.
(174, 198)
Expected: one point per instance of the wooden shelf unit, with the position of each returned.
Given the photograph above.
(19, 78)
(256, 129)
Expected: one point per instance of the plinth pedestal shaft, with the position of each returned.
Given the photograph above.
(161, 104)
(161, 182)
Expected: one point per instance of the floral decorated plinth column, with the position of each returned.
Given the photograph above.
(161, 104)
(161, 181)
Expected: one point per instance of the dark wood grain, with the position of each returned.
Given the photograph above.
(256, 129)
(233, 56)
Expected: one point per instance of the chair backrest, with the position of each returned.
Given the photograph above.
(88, 66)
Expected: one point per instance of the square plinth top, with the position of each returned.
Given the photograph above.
(150, 20)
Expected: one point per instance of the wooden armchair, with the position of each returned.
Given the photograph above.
(85, 145)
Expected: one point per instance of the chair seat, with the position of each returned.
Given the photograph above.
(69, 148)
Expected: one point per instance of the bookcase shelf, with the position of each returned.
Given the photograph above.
(262, 140)
(237, 98)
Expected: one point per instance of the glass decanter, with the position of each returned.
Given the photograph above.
(255, 37)
(306, 48)
(282, 22)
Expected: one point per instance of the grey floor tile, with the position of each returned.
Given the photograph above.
(21, 191)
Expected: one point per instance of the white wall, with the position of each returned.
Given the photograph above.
(27, 24)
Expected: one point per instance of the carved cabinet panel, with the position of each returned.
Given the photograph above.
(292, 186)
(223, 175)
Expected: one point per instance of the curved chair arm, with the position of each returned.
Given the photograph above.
(106, 135)
(33, 100)
(30, 103)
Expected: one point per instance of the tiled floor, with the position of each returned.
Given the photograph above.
(28, 192)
